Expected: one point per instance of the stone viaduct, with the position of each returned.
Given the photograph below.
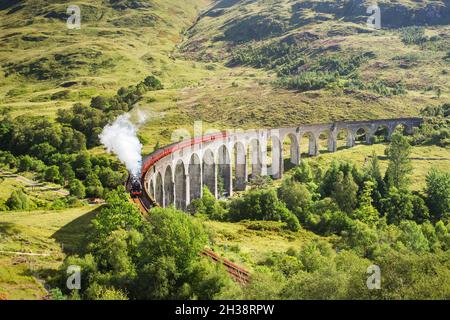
(224, 162)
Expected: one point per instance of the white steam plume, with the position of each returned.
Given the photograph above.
(141, 116)
(121, 138)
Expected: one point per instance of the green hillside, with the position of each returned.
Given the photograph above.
(395, 71)
(33, 246)
(241, 63)
(230, 64)
(45, 66)
(281, 63)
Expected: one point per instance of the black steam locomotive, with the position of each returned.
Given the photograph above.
(136, 186)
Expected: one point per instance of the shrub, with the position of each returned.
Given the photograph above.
(18, 201)
(256, 205)
(58, 204)
(295, 195)
(208, 205)
(98, 292)
(420, 210)
(413, 238)
(292, 222)
(344, 192)
(264, 225)
(94, 187)
(413, 35)
(118, 214)
(361, 238)
(25, 163)
(436, 111)
(398, 206)
(308, 81)
(7, 158)
(303, 173)
(52, 174)
(152, 83)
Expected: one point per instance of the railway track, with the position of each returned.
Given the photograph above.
(239, 274)
(236, 272)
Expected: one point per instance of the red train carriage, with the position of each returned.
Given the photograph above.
(158, 155)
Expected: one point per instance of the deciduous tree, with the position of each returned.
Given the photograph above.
(438, 193)
(399, 166)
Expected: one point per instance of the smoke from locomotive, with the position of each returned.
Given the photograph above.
(121, 138)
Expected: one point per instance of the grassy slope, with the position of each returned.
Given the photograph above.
(135, 42)
(115, 47)
(266, 106)
(247, 247)
(244, 97)
(41, 232)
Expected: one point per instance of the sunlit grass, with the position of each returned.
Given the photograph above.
(240, 244)
(49, 234)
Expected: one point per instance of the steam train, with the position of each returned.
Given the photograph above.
(136, 186)
(135, 183)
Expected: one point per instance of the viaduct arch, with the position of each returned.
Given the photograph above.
(224, 162)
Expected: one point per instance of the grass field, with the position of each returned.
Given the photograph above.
(44, 66)
(48, 236)
(240, 243)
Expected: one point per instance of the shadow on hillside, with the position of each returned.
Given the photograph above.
(340, 148)
(74, 236)
(8, 229)
(225, 4)
(288, 165)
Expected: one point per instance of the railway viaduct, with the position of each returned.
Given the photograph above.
(224, 162)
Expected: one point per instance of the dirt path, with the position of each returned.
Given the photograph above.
(31, 183)
(25, 254)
